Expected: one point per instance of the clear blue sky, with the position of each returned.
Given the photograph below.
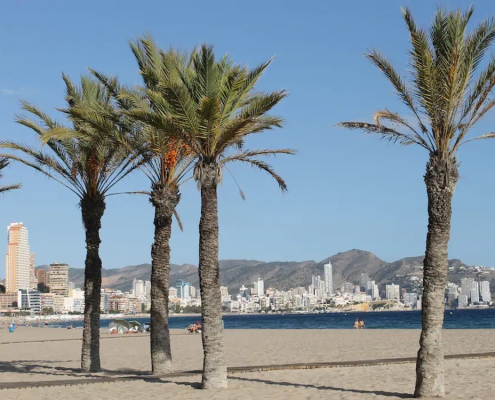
(346, 190)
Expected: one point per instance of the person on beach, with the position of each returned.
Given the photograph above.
(361, 324)
(356, 324)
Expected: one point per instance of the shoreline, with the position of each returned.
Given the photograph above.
(23, 320)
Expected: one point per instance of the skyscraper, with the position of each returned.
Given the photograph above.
(485, 291)
(259, 287)
(466, 286)
(139, 288)
(17, 259)
(327, 272)
(475, 292)
(183, 289)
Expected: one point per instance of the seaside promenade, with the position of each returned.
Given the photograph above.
(45, 356)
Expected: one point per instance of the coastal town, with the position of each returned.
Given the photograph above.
(262, 200)
(39, 291)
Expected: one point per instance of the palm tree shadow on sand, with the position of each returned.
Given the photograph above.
(197, 385)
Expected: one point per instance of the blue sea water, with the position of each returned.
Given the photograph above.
(454, 319)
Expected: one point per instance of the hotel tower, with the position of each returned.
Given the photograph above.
(18, 259)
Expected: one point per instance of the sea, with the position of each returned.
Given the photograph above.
(454, 319)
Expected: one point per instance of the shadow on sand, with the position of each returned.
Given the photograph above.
(197, 385)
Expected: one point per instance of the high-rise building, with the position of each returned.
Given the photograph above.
(18, 259)
(374, 291)
(466, 286)
(475, 292)
(58, 279)
(328, 274)
(183, 289)
(147, 288)
(486, 295)
(392, 292)
(410, 299)
(259, 287)
(138, 286)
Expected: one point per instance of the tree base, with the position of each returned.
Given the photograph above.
(430, 386)
(161, 369)
(218, 381)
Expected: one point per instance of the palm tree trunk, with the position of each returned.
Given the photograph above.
(214, 369)
(441, 180)
(92, 212)
(164, 199)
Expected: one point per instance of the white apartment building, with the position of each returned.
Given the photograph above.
(259, 287)
(328, 275)
(392, 292)
(486, 295)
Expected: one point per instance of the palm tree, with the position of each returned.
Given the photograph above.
(4, 162)
(446, 97)
(89, 168)
(166, 162)
(212, 107)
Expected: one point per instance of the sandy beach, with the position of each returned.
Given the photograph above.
(45, 354)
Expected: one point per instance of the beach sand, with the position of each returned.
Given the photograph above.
(44, 354)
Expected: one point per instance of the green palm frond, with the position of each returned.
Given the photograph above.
(194, 101)
(149, 131)
(4, 162)
(84, 157)
(262, 166)
(445, 92)
(247, 157)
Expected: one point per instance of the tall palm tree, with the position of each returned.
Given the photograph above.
(89, 168)
(212, 107)
(446, 98)
(168, 163)
(164, 160)
(4, 162)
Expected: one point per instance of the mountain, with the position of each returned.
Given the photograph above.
(347, 266)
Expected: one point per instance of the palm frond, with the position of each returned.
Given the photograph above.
(177, 218)
(490, 135)
(262, 166)
(388, 134)
(4, 162)
(446, 93)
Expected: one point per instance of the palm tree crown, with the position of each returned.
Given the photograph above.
(208, 106)
(82, 159)
(445, 95)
